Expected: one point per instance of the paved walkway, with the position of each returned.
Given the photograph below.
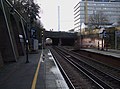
(19, 75)
(38, 74)
(49, 75)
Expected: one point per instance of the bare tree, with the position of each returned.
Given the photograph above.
(27, 8)
(98, 19)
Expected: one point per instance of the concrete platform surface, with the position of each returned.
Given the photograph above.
(19, 75)
(110, 52)
(37, 74)
(50, 76)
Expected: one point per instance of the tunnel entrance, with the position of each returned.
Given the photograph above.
(59, 41)
(55, 41)
(61, 38)
(48, 42)
(67, 41)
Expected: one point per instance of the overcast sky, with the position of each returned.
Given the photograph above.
(49, 14)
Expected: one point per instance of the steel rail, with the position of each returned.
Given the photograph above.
(89, 76)
(71, 86)
(87, 70)
(101, 63)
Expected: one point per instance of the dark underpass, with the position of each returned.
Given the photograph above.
(63, 41)
(61, 38)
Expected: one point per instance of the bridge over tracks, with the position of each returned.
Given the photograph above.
(61, 38)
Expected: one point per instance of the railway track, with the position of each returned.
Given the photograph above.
(97, 78)
(75, 77)
(106, 68)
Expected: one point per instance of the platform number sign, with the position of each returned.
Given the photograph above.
(104, 33)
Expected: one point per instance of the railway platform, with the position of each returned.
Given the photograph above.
(109, 52)
(40, 73)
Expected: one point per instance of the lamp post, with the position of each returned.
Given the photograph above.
(103, 36)
(27, 61)
(80, 37)
(26, 40)
(28, 27)
(102, 43)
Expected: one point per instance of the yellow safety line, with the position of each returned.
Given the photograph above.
(36, 74)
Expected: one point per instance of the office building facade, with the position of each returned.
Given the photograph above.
(109, 8)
